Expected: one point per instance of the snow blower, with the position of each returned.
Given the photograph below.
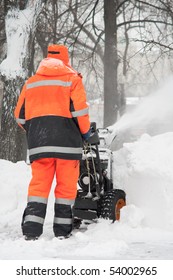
(96, 195)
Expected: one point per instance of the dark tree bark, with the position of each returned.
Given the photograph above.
(2, 32)
(12, 138)
(2, 50)
(111, 98)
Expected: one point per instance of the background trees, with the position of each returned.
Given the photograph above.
(122, 48)
(110, 38)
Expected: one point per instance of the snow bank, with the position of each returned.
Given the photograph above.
(13, 180)
(143, 169)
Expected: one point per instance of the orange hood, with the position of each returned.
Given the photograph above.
(54, 67)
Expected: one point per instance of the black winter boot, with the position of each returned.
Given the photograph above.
(63, 219)
(33, 220)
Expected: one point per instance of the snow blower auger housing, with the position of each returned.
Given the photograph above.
(96, 196)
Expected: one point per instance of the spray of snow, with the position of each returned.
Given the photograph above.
(153, 115)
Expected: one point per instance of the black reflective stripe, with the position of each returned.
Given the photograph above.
(53, 149)
(53, 52)
(48, 83)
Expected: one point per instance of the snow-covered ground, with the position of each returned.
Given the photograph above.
(143, 168)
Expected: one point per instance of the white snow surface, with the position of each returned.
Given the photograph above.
(143, 169)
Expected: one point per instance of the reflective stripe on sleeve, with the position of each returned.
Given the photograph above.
(63, 221)
(37, 199)
(21, 121)
(80, 113)
(33, 218)
(53, 149)
(48, 83)
(64, 201)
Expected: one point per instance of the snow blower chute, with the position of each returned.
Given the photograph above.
(96, 196)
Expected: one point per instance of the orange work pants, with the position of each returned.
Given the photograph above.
(43, 171)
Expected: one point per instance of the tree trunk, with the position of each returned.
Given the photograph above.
(2, 50)
(12, 138)
(2, 31)
(111, 98)
(14, 71)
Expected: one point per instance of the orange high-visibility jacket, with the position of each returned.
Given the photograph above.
(52, 109)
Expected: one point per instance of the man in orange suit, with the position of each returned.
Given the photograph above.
(53, 111)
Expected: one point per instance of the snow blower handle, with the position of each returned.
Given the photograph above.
(93, 138)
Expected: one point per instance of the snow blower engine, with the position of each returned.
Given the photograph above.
(96, 196)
